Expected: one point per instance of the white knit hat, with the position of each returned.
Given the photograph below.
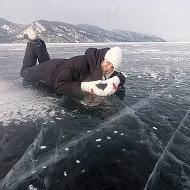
(114, 56)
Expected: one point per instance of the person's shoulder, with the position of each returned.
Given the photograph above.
(90, 50)
(97, 49)
(104, 49)
(96, 52)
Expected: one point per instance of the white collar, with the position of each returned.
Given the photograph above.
(106, 76)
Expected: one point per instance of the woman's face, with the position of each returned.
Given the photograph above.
(107, 67)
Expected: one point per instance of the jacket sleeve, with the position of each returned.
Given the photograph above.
(65, 85)
(69, 88)
(121, 88)
(121, 77)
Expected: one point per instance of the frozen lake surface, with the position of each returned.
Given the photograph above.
(139, 142)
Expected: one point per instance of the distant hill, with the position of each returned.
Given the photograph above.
(138, 37)
(8, 29)
(60, 32)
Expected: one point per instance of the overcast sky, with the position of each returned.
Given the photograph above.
(169, 19)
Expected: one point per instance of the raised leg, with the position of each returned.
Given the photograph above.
(30, 57)
(41, 51)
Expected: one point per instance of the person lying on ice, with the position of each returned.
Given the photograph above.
(70, 76)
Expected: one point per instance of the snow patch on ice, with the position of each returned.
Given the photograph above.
(31, 187)
(153, 75)
(22, 105)
(65, 173)
(43, 147)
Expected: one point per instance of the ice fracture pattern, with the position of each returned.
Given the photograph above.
(141, 141)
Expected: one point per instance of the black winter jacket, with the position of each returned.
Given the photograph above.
(66, 75)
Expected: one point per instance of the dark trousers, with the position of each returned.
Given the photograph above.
(33, 53)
